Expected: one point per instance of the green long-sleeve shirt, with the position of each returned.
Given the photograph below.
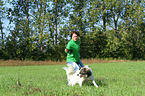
(75, 47)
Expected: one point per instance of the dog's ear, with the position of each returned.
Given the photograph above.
(89, 73)
(84, 69)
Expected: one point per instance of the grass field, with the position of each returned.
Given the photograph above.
(114, 79)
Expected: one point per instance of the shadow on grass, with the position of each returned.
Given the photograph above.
(99, 81)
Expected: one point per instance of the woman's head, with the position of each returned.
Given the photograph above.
(75, 35)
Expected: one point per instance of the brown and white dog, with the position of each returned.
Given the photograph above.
(80, 75)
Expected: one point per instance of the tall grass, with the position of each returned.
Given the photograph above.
(114, 79)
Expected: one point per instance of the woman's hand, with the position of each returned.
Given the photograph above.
(66, 50)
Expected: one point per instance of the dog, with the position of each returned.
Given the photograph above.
(80, 75)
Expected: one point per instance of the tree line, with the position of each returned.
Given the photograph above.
(40, 29)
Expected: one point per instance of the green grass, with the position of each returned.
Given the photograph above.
(114, 79)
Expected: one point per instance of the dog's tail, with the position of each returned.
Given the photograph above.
(68, 69)
(65, 68)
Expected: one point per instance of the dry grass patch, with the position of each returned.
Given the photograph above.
(92, 61)
(28, 62)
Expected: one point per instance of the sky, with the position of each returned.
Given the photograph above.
(6, 21)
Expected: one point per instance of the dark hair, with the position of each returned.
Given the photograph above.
(74, 32)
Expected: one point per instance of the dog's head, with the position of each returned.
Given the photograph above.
(85, 72)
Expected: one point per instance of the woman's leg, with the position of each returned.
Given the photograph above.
(80, 64)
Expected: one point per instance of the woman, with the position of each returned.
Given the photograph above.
(72, 50)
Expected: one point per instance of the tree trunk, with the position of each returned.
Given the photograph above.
(56, 14)
(1, 28)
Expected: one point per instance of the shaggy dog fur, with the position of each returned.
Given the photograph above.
(80, 75)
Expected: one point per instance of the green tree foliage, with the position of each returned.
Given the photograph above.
(134, 20)
(108, 28)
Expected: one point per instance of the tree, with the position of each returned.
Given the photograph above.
(116, 8)
(133, 19)
(42, 28)
(21, 18)
(2, 10)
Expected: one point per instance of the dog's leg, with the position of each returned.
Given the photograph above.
(95, 83)
(72, 84)
(80, 83)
